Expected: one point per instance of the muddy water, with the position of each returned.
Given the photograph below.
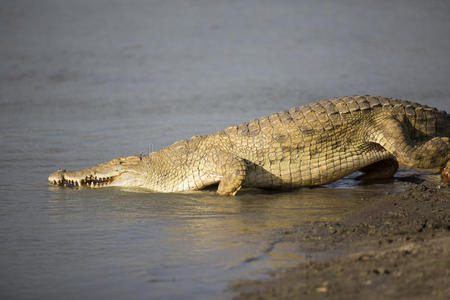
(85, 81)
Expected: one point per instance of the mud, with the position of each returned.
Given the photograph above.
(396, 248)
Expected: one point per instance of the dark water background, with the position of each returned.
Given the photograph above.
(85, 81)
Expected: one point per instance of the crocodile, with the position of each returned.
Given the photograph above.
(308, 145)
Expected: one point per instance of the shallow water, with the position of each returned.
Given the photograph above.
(85, 81)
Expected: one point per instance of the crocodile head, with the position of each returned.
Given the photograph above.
(127, 171)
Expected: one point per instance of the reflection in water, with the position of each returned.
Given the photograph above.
(193, 242)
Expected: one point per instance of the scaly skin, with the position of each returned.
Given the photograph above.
(308, 145)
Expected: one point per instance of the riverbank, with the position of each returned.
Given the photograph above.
(396, 248)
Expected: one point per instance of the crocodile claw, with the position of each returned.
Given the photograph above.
(445, 174)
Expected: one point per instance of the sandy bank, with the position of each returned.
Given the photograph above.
(397, 248)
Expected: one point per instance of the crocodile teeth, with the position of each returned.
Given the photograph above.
(88, 181)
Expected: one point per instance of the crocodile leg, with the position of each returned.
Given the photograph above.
(383, 169)
(233, 171)
(393, 136)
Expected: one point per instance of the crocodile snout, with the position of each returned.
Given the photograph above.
(57, 177)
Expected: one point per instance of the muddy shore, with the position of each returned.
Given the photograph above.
(396, 248)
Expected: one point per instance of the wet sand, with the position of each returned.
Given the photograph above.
(397, 248)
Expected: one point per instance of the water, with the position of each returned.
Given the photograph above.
(85, 81)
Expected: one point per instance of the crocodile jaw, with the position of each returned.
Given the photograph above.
(129, 171)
